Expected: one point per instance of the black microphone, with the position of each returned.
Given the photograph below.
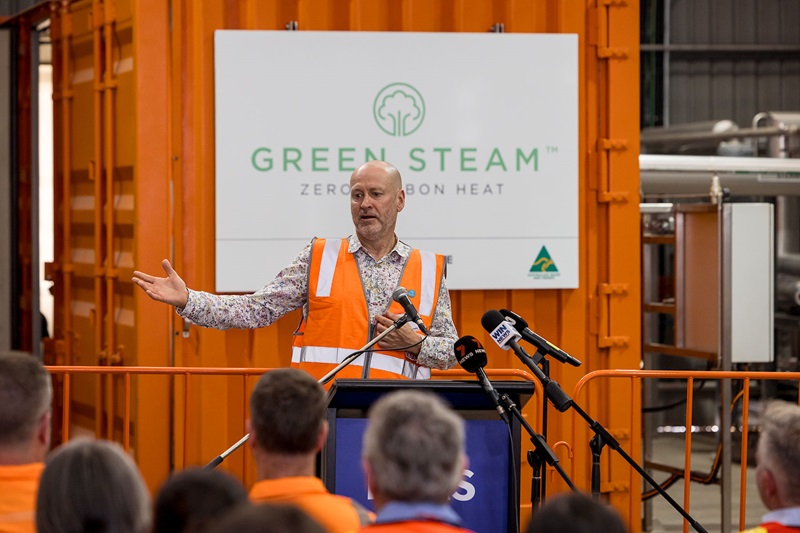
(504, 334)
(472, 358)
(542, 344)
(400, 295)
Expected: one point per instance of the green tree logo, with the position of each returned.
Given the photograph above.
(399, 109)
(543, 262)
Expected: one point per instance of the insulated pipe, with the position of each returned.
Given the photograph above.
(788, 292)
(789, 264)
(744, 176)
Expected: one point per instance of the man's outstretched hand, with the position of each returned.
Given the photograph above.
(171, 290)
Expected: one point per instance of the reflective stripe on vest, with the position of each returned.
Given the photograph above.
(329, 257)
(380, 361)
(428, 283)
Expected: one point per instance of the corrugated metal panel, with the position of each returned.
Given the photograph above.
(95, 154)
(150, 130)
(752, 66)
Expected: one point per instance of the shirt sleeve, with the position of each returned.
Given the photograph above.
(287, 292)
(437, 350)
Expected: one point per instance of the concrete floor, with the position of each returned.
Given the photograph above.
(705, 499)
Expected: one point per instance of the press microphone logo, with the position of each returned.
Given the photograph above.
(502, 334)
(463, 356)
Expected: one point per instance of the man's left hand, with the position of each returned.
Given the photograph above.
(400, 339)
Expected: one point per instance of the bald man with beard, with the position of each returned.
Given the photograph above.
(344, 287)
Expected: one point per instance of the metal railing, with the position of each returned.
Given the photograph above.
(635, 378)
(187, 375)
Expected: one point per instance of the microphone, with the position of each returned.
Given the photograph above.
(400, 295)
(541, 344)
(504, 334)
(472, 358)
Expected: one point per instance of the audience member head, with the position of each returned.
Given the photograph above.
(576, 513)
(266, 518)
(91, 485)
(778, 455)
(190, 498)
(26, 395)
(287, 413)
(413, 449)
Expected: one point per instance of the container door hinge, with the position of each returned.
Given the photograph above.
(598, 33)
(607, 52)
(601, 318)
(614, 197)
(612, 145)
(615, 145)
(613, 486)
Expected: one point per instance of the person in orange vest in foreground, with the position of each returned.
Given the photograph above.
(414, 458)
(344, 287)
(287, 428)
(778, 467)
(26, 396)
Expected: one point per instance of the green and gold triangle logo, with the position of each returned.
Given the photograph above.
(543, 262)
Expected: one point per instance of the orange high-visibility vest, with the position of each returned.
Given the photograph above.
(338, 316)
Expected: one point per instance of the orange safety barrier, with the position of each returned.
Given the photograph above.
(636, 376)
(188, 373)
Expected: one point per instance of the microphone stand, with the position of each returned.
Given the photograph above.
(400, 322)
(602, 438)
(542, 454)
(532, 456)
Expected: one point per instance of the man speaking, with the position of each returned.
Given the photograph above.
(344, 287)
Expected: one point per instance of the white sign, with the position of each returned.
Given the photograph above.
(483, 128)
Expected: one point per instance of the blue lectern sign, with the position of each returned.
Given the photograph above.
(482, 496)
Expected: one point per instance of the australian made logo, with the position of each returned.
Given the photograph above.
(544, 267)
(399, 109)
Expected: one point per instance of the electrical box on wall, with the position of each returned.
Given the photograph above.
(748, 288)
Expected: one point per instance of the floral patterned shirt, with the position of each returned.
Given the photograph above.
(289, 291)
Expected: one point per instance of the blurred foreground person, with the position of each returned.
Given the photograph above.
(414, 459)
(576, 513)
(287, 428)
(191, 498)
(26, 397)
(778, 467)
(92, 486)
(267, 518)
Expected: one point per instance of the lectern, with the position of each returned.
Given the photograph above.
(487, 497)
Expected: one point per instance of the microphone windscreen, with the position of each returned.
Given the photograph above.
(514, 319)
(491, 319)
(470, 353)
(398, 293)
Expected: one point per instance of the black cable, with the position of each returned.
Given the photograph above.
(657, 408)
(514, 485)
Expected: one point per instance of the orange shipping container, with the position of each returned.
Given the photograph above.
(134, 171)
